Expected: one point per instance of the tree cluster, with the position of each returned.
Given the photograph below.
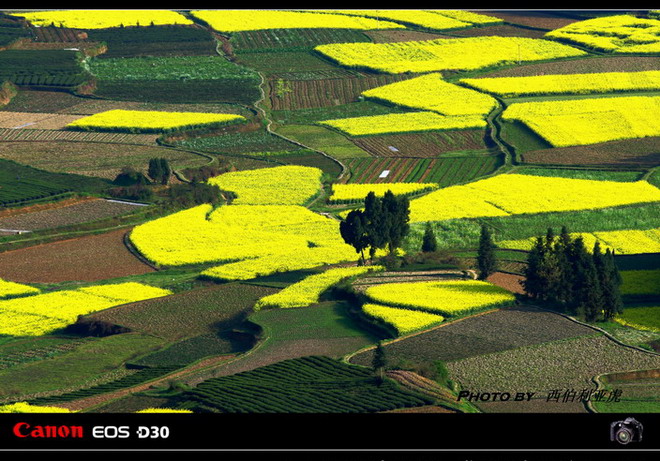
(159, 170)
(561, 271)
(383, 223)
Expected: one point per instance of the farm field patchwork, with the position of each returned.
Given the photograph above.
(229, 287)
(630, 241)
(626, 154)
(357, 192)
(308, 291)
(449, 298)
(33, 120)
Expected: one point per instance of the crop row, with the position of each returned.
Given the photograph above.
(101, 19)
(308, 384)
(133, 379)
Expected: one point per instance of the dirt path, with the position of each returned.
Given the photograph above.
(95, 401)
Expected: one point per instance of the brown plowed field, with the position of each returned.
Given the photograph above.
(88, 259)
(421, 144)
(509, 282)
(102, 160)
(306, 94)
(641, 152)
(537, 19)
(71, 213)
(588, 65)
(32, 120)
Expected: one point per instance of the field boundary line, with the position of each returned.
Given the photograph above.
(269, 122)
(348, 357)
(600, 330)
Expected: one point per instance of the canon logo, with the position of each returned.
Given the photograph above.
(24, 430)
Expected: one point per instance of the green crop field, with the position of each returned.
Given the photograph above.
(138, 270)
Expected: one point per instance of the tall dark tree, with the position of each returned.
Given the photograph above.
(379, 361)
(610, 286)
(155, 170)
(532, 283)
(486, 260)
(377, 223)
(429, 242)
(587, 295)
(397, 213)
(166, 171)
(354, 231)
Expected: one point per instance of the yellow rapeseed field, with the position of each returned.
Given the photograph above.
(619, 33)
(629, 241)
(242, 20)
(508, 194)
(43, 313)
(285, 185)
(603, 82)
(447, 297)
(468, 53)
(404, 123)
(308, 290)
(11, 289)
(149, 121)
(431, 92)
(102, 19)
(403, 320)
(575, 122)
(341, 192)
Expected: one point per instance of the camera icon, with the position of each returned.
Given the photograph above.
(626, 431)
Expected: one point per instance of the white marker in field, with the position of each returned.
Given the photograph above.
(384, 174)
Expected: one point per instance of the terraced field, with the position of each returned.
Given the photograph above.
(242, 285)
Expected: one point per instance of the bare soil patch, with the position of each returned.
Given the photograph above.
(88, 259)
(34, 120)
(509, 282)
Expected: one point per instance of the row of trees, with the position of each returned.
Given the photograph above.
(561, 270)
(382, 224)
